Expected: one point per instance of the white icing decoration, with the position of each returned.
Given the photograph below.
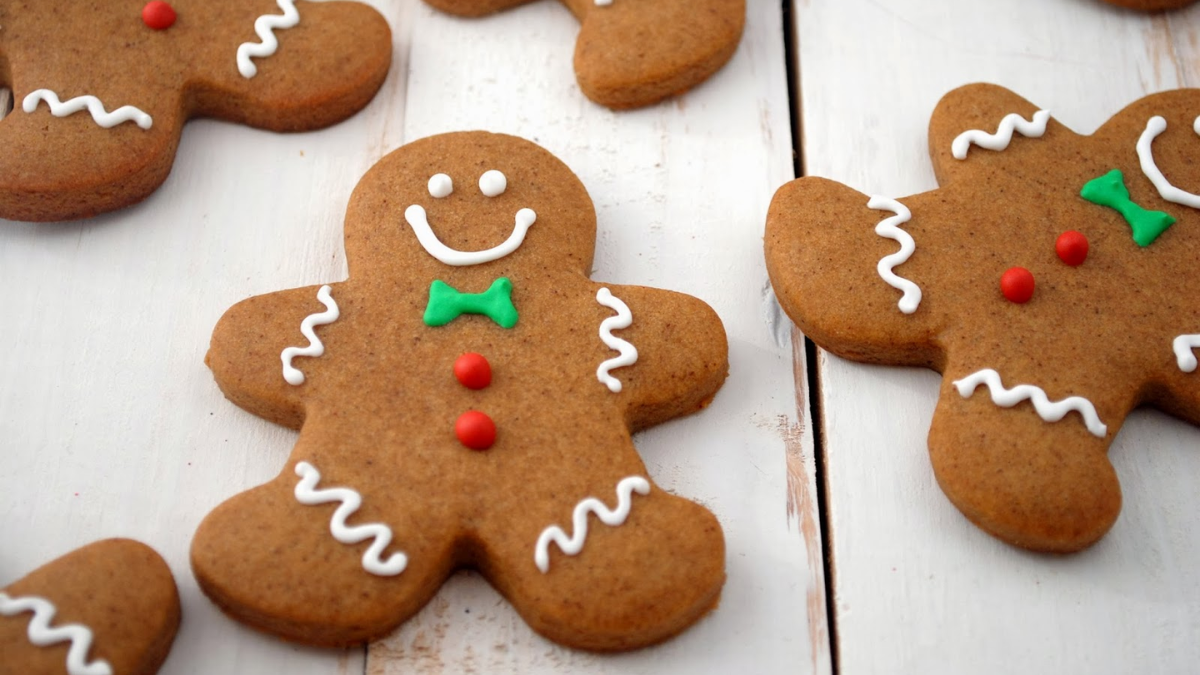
(415, 215)
(42, 635)
(315, 346)
(890, 229)
(264, 27)
(1183, 345)
(574, 544)
(108, 120)
(372, 559)
(493, 183)
(1196, 125)
(603, 3)
(629, 353)
(1145, 152)
(1003, 136)
(440, 186)
(1047, 410)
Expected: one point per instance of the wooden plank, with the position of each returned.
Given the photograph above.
(681, 191)
(917, 588)
(5, 102)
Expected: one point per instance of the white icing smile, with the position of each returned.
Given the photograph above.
(415, 215)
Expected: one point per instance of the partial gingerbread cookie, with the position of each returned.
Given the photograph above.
(632, 53)
(101, 93)
(1051, 279)
(109, 608)
(466, 399)
(1150, 5)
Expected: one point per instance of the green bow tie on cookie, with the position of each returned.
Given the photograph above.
(447, 304)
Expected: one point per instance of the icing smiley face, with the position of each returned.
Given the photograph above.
(136, 72)
(1056, 277)
(467, 415)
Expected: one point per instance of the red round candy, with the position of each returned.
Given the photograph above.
(1072, 248)
(1017, 285)
(475, 430)
(158, 15)
(473, 371)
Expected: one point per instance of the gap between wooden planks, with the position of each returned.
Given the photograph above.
(5, 102)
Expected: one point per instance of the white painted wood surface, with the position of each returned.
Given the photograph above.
(112, 426)
(917, 589)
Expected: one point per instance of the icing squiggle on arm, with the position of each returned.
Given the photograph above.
(264, 27)
(102, 117)
(315, 346)
(1145, 153)
(1183, 346)
(628, 353)
(890, 229)
(1035, 128)
(574, 544)
(41, 634)
(1045, 408)
(372, 559)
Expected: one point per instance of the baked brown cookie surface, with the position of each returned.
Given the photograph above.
(1051, 279)
(465, 399)
(109, 608)
(633, 53)
(1150, 5)
(102, 89)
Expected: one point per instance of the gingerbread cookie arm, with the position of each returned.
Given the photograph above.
(292, 65)
(665, 353)
(108, 607)
(823, 240)
(264, 348)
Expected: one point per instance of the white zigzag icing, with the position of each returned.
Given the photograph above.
(41, 634)
(628, 353)
(1013, 122)
(890, 229)
(1183, 345)
(264, 27)
(1047, 410)
(102, 117)
(315, 346)
(612, 518)
(1155, 126)
(372, 559)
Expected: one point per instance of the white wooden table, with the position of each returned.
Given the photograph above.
(110, 425)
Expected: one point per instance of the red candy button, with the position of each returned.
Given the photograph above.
(473, 371)
(158, 15)
(475, 430)
(1072, 248)
(1017, 285)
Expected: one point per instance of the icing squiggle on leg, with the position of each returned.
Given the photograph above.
(42, 634)
(372, 559)
(574, 544)
(1183, 346)
(628, 353)
(315, 346)
(265, 27)
(890, 229)
(1045, 408)
(1145, 151)
(102, 117)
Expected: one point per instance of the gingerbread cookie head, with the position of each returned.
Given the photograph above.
(109, 608)
(465, 399)
(632, 53)
(1051, 279)
(101, 96)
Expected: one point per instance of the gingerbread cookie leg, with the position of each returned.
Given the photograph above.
(110, 607)
(343, 576)
(625, 566)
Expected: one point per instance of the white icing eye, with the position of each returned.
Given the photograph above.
(440, 185)
(493, 183)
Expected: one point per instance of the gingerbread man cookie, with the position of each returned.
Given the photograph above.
(1051, 279)
(101, 93)
(109, 608)
(632, 53)
(1150, 5)
(466, 399)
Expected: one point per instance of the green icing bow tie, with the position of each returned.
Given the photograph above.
(1109, 190)
(446, 304)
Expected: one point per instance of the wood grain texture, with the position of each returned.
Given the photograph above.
(918, 588)
(112, 425)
